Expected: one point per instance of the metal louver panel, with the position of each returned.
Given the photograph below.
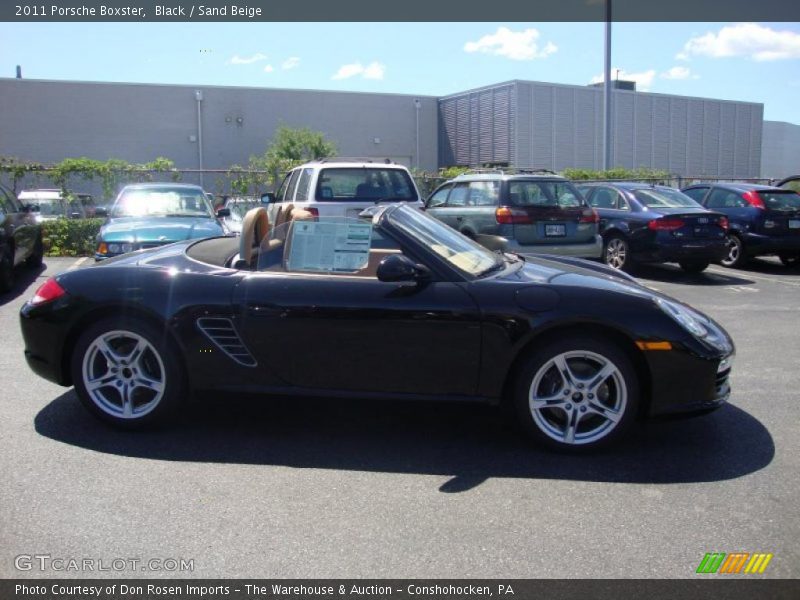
(225, 337)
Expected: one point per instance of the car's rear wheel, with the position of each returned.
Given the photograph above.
(694, 266)
(6, 269)
(36, 257)
(127, 373)
(616, 253)
(736, 256)
(577, 393)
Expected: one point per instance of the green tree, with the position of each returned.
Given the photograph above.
(291, 147)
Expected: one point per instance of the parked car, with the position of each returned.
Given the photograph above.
(642, 223)
(146, 215)
(397, 306)
(48, 204)
(342, 187)
(533, 211)
(764, 220)
(238, 207)
(20, 238)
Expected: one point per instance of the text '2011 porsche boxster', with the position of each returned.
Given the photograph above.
(395, 305)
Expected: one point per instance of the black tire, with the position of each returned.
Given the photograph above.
(36, 257)
(162, 358)
(6, 269)
(790, 260)
(617, 253)
(736, 254)
(542, 425)
(694, 266)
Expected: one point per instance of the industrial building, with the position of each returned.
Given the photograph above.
(516, 123)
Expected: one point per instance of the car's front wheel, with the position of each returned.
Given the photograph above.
(127, 373)
(577, 393)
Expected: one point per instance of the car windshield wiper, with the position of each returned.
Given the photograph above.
(498, 266)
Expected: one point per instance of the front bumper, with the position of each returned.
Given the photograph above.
(585, 250)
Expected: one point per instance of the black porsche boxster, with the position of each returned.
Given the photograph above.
(397, 305)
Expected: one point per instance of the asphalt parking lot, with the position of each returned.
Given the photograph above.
(311, 488)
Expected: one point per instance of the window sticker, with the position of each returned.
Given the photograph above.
(329, 247)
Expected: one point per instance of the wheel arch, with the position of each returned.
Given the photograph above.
(603, 331)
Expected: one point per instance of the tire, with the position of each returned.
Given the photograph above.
(36, 257)
(736, 256)
(617, 253)
(6, 270)
(790, 260)
(153, 381)
(581, 415)
(694, 266)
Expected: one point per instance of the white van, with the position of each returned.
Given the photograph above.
(51, 204)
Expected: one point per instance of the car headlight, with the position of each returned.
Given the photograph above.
(127, 247)
(113, 248)
(687, 318)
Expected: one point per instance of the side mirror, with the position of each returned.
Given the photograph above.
(268, 198)
(101, 211)
(223, 212)
(400, 268)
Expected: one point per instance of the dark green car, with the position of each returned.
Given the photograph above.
(20, 238)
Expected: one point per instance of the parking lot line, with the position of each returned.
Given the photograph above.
(77, 263)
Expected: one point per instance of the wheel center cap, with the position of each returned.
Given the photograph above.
(577, 397)
(126, 373)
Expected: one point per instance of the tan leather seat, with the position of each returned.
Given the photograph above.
(255, 227)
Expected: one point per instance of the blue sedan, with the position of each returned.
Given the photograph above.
(643, 223)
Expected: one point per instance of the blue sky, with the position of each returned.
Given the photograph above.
(744, 61)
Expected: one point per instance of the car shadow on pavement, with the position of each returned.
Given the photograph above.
(469, 443)
(23, 278)
(673, 274)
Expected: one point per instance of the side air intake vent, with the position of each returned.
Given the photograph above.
(226, 338)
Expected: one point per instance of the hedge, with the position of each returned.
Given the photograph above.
(70, 237)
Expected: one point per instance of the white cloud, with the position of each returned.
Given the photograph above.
(748, 40)
(290, 63)
(516, 45)
(268, 68)
(679, 73)
(373, 70)
(643, 80)
(247, 60)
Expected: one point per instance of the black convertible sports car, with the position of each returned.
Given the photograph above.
(399, 305)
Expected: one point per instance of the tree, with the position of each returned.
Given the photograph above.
(291, 147)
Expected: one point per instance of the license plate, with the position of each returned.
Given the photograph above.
(794, 223)
(558, 230)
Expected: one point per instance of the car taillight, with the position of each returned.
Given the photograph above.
(754, 200)
(511, 216)
(723, 222)
(47, 292)
(589, 216)
(665, 224)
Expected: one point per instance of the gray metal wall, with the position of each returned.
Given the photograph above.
(47, 121)
(558, 126)
(780, 155)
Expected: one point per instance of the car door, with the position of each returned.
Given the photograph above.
(732, 205)
(19, 224)
(326, 331)
(452, 213)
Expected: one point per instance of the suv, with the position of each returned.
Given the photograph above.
(536, 211)
(342, 187)
(20, 238)
(52, 204)
(763, 219)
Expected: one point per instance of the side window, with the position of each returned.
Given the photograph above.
(439, 197)
(622, 202)
(604, 197)
(303, 185)
(697, 194)
(720, 198)
(292, 185)
(483, 193)
(458, 197)
(282, 189)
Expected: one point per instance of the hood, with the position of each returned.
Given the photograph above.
(159, 229)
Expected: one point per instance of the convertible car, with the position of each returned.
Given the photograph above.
(396, 305)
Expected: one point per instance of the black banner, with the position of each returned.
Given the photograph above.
(406, 11)
(705, 587)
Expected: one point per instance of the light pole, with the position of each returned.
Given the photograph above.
(417, 108)
(607, 94)
(198, 96)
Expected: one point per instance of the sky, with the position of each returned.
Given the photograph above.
(756, 62)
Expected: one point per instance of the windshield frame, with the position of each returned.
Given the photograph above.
(663, 192)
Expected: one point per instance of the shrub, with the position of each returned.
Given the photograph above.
(70, 237)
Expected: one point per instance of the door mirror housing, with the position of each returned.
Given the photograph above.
(268, 198)
(100, 211)
(223, 212)
(400, 268)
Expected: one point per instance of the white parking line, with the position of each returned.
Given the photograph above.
(749, 275)
(77, 263)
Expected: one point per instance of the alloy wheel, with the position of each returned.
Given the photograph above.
(734, 251)
(578, 397)
(616, 253)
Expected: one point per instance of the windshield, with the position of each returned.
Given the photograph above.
(364, 184)
(544, 193)
(55, 208)
(161, 202)
(664, 198)
(780, 200)
(455, 248)
(239, 208)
